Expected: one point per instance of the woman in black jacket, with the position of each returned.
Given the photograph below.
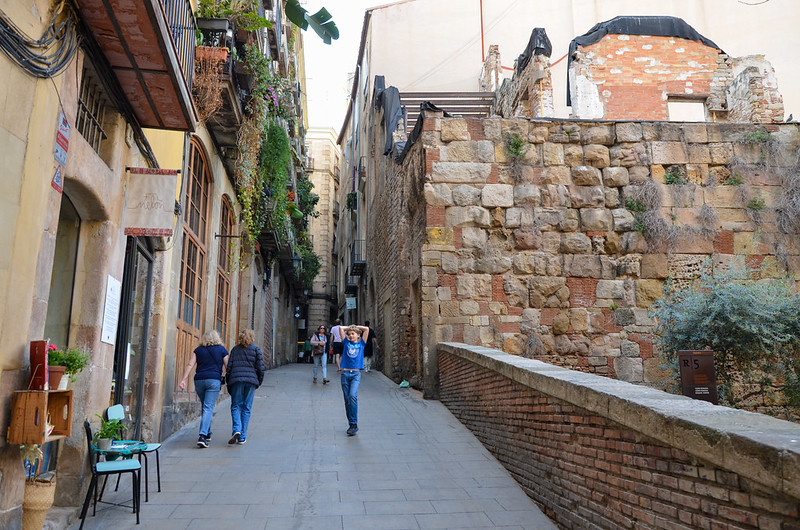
(245, 372)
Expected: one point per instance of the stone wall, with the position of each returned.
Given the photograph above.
(597, 453)
(558, 253)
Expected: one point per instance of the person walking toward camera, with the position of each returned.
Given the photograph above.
(245, 374)
(352, 364)
(319, 349)
(211, 357)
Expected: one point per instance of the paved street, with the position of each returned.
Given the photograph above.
(412, 465)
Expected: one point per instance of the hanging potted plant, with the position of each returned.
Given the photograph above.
(109, 430)
(69, 361)
(40, 488)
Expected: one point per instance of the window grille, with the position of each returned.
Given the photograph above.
(91, 110)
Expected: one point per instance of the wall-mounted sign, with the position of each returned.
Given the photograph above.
(111, 311)
(350, 302)
(58, 180)
(150, 202)
(698, 375)
(62, 140)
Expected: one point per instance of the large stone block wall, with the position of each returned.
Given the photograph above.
(597, 453)
(539, 255)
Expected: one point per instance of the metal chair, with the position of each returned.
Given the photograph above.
(106, 468)
(118, 412)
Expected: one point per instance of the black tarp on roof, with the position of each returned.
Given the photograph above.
(539, 44)
(659, 26)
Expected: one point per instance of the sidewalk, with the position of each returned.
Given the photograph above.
(412, 465)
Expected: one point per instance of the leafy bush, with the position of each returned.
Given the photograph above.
(515, 146)
(752, 328)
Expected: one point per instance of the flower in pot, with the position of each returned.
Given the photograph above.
(74, 360)
(109, 429)
(39, 487)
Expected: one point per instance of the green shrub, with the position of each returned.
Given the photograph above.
(752, 328)
(634, 205)
(674, 176)
(733, 180)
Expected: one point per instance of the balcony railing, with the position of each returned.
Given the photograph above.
(182, 27)
(358, 258)
(350, 284)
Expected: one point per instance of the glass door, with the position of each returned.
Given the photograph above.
(132, 332)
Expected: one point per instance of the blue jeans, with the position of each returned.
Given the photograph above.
(350, 382)
(323, 359)
(241, 404)
(207, 390)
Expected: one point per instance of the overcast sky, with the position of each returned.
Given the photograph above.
(328, 66)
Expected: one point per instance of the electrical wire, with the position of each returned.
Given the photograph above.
(52, 52)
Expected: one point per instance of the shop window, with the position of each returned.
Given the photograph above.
(193, 259)
(224, 267)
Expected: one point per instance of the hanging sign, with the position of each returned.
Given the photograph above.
(698, 376)
(150, 202)
(350, 302)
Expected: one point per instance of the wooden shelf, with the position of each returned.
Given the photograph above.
(30, 411)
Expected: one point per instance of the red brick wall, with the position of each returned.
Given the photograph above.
(634, 73)
(586, 471)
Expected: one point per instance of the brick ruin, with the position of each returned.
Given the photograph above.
(634, 77)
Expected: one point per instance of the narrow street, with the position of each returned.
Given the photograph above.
(412, 465)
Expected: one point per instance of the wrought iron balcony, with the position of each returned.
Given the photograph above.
(351, 284)
(358, 258)
(149, 45)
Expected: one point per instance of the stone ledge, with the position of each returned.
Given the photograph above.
(761, 448)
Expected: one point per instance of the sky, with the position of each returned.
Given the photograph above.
(328, 66)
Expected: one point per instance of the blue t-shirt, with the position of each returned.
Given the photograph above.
(353, 354)
(209, 361)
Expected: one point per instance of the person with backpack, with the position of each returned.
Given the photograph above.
(319, 350)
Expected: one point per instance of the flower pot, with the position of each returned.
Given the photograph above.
(56, 374)
(38, 499)
(104, 444)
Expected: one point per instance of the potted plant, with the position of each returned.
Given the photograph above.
(109, 429)
(351, 202)
(72, 359)
(40, 488)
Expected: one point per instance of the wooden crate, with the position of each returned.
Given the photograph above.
(30, 410)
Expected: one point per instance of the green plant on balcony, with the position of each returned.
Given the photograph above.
(351, 203)
(242, 13)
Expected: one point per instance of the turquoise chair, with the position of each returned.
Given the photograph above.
(104, 469)
(117, 412)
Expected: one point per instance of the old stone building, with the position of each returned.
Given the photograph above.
(550, 237)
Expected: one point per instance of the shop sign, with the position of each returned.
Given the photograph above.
(698, 375)
(150, 202)
(350, 302)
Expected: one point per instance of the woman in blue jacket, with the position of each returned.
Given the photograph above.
(245, 374)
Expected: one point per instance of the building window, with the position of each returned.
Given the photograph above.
(91, 111)
(224, 266)
(193, 259)
(686, 109)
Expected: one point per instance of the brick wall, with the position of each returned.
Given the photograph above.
(597, 453)
(635, 73)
